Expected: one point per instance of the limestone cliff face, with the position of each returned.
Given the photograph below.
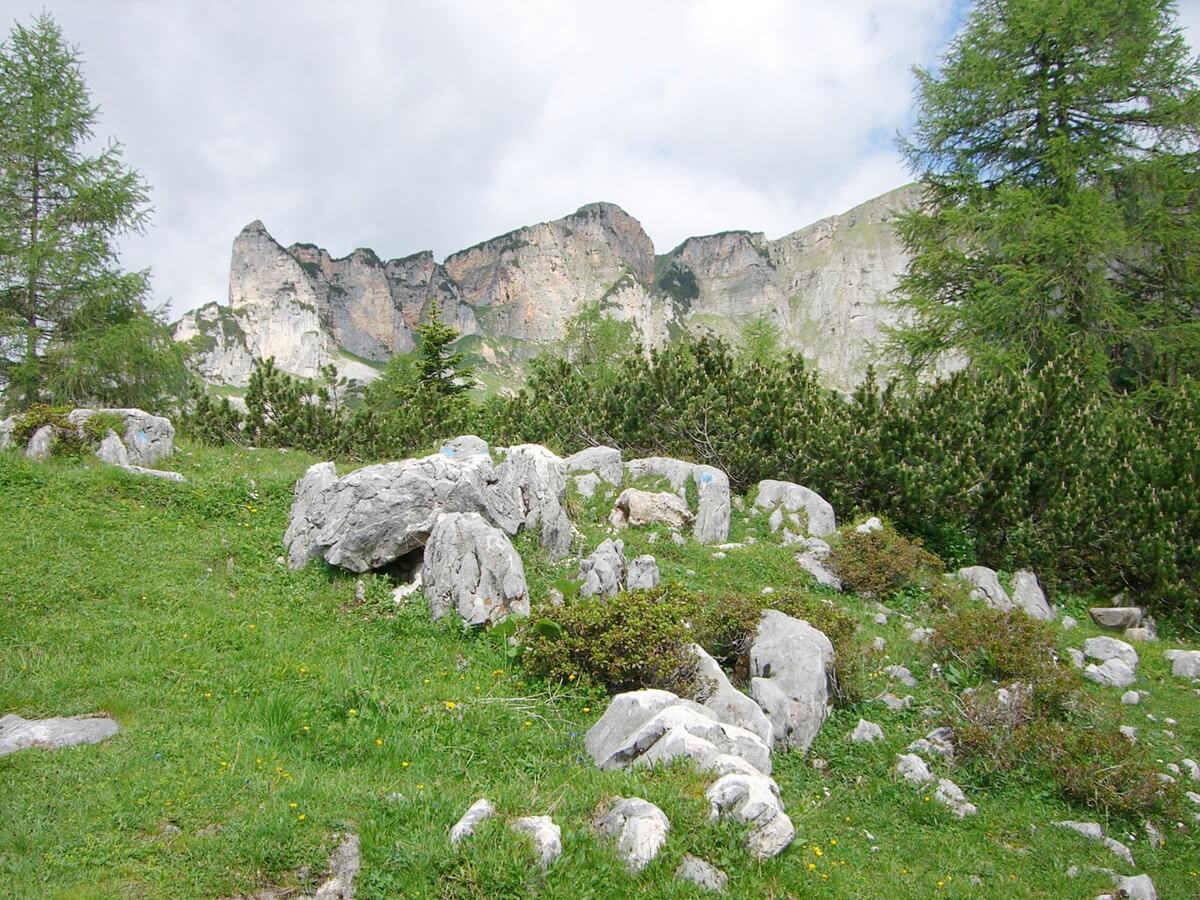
(824, 286)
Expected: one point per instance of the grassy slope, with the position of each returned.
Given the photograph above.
(234, 681)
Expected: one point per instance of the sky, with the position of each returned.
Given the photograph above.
(406, 126)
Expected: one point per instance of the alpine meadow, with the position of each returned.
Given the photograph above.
(859, 562)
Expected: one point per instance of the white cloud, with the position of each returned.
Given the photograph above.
(419, 125)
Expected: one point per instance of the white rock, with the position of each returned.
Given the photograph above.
(878, 644)
(466, 445)
(343, 866)
(896, 704)
(701, 874)
(1068, 622)
(472, 568)
(605, 462)
(920, 635)
(148, 439)
(587, 484)
(536, 479)
(866, 732)
(639, 828)
(112, 451)
(17, 733)
(939, 742)
(1076, 657)
(728, 703)
(642, 573)
(872, 524)
(1193, 769)
(1184, 663)
(901, 674)
(41, 444)
(478, 812)
(1120, 617)
(949, 794)
(546, 837)
(913, 769)
(603, 572)
(1027, 594)
(1106, 648)
(821, 573)
(1131, 698)
(634, 507)
(1112, 673)
(1094, 832)
(1129, 732)
(986, 587)
(790, 664)
(1138, 887)
(753, 800)
(785, 496)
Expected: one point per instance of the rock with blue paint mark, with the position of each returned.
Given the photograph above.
(148, 439)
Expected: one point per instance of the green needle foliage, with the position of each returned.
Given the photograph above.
(73, 326)
(1058, 143)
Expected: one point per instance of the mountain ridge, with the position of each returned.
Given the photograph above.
(824, 286)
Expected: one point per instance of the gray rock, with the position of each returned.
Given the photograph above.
(587, 485)
(821, 573)
(537, 479)
(1068, 622)
(1137, 887)
(639, 828)
(753, 800)
(1118, 617)
(626, 713)
(546, 837)
(634, 507)
(603, 461)
(1076, 657)
(939, 742)
(727, 703)
(1193, 768)
(950, 794)
(1106, 648)
(1141, 634)
(878, 644)
(148, 439)
(603, 573)
(156, 473)
(787, 497)
(642, 573)
(790, 663)
(701, 874)
(477, 813)
(466, 445)
(986, 587)
(866, 732)
(872, 524)
(7, 427)
(112, 451)
(52, 734)
(472, 568)
(880, 618)
(712, 509)
(41, 444)
(1184, 663)
(1131, 698)
(1027, 594)
(343, 866)
(1094, 832)
(677, 472)
(913, 769)
(669, 735)
(896, 704)
(901, 674)
(372, 517)
(1129, 733)
(920, 635)
(1111, 673)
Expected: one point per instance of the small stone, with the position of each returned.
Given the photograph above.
(701, 874)
(950, 794)
(546, 837)
(478, 812)
(1129, 732)
(639, 828)
(879, 619)
(1068, 622)
(1131, 698)
(170, 831)
(872, 524)
(1076, 657)
(53, 734)
(1193, 769)
(878, 644)
(913, 769)
(866, 732)
(897, 704)
(901, 674)
(920, 635)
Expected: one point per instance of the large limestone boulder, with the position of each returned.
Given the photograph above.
(41, 444)
(635, 507)
(642, 573)
(1106, 648)
(1184, 663)
(985, 586)
(728, 703)
(1117, 617)
(471, 567)
(1027, 594)
(17, 733)
(604, 461)
(794, 504)
(148, 439)
(712, 489)
(790, 664)
(603, 572)
(537, 480)
(378, 514)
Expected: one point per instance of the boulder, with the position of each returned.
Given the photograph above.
(803, 507)
(789, 666)
(1027, 594)
(52, 734)
(1116, 617)
(41, 444)
(639, 828)
(642, 573)
(872, 524)
(477, 813)
(587, 484)
(677, 472)
(471, 567)
(1135, 887)
(7, 427)
(1111, 673)
(603, 573)
(112, 450)
(634, 507)
(304, 521)
(148, 439)
(728, 703)
(372, 517)
(625, 714)
(537, 479)
(545, 835)
(1106, 648)
(603, 461)
(712, 508)
(698, 872)
(1184, 663)
(753, 800)
(985, 586)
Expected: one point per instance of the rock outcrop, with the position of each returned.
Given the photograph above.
(472, 568)
(823, 286)
(790, 664)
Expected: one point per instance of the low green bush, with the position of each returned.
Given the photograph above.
(879, 563)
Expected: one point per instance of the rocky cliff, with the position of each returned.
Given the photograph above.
(824, 286)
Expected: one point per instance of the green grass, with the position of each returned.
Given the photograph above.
(264, 710)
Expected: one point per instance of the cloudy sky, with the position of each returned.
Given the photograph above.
(405, 125)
